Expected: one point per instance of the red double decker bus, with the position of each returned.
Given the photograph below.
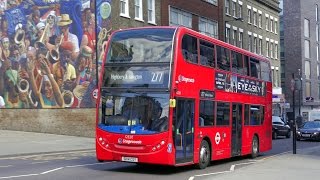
(173, 96)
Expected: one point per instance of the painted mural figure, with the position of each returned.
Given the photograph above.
(89, 35)
(63, 71)
(32, 30)
(67, 35)
(49, 93)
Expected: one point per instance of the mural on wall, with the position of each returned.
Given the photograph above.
(48, 51)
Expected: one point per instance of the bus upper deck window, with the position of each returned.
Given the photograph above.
(189, 49)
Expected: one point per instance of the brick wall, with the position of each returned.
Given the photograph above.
(74, 122)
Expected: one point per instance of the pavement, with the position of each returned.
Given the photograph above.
(18, 143)
(303, 165)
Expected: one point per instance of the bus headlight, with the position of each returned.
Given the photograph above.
(103, 142)
(158, 146)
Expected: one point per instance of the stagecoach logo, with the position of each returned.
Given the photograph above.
(126, 141)
(181, 78)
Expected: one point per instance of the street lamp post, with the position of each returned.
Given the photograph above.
(294, 140)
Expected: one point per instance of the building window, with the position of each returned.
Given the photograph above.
(276, 51)
(306, 28)
(271, 50)
(267, 24)
(240, 40)
(260, 20)
(178, 17)
(227, 7)
(317, 13)
(307, 69)
(151, 11)
(267, 48)
(254, 18)
(276, 83)
(306, 48)
(254, 44)
(240, 11)
(317, 32)
(249, 16)
(276, 27)
(234, 13)
(308, 89)
(318, 71)
(124, 8)
(234, 37)
(271, 25)
(138, 9)
(260, 46)
(317, 52)
(249, 43)
(208, 27)
(227, 35)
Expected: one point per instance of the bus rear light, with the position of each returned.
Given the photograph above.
(154, 149)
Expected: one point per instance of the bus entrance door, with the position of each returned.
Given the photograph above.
(184, 130)
(236, 129)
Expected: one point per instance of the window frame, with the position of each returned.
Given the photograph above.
(126, 8)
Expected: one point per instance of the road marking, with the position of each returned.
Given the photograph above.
(234, 165)
(40, 162)
(26, 175)
(52, 170)
(46, 172)
(200, 175)
(5, 166)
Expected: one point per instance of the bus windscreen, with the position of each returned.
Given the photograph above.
(141, 46)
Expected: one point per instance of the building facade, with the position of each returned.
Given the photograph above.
(301, 55)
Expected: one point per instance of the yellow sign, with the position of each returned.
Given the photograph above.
(172, 103)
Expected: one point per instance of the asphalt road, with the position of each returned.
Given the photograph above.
(83, 165)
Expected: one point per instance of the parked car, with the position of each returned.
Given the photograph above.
(280, 128)
(309, 130)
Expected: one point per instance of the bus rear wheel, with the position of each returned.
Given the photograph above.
(255, 147)
(204, 155)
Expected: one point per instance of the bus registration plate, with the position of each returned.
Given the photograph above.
(129, 159)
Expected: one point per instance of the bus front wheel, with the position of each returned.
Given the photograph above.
(204, 155)
(255, 147)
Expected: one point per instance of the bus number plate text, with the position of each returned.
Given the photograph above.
(129, 159)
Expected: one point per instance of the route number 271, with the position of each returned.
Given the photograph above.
(157, 77)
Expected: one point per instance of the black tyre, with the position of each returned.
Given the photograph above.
(255, 147)
(274, 135)
(288, 134)
(204, 155)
